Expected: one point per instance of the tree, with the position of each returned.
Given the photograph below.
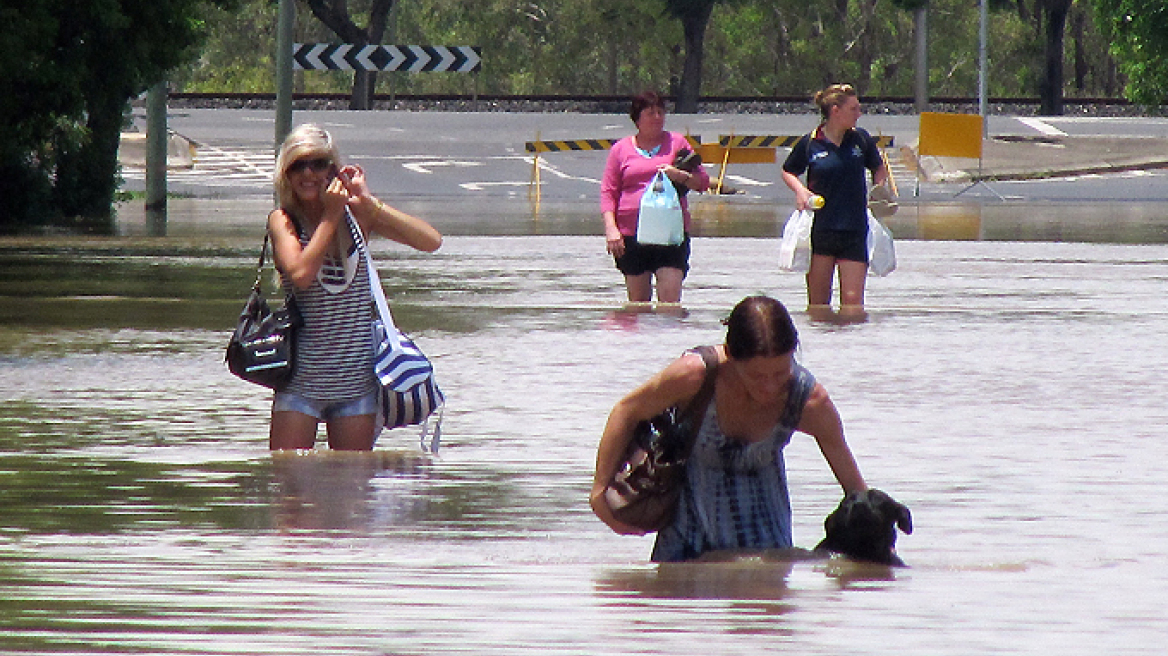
(694, 16)
(919, 10)
(70, 68)
(335, 15)
(1138, 31)
(1050, 87)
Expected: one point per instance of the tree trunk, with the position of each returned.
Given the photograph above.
(86, 177)
(1050, 89)
(362, 95)
(1081, 67)
(921, 37)
(865, 54)
(335, 15)
(694, 26)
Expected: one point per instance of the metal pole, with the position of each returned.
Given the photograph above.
(156, 139)
(284, 25)
(920, 26)
(982, 65)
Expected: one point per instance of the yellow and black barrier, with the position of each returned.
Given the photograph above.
(572, 144)
(729, 149)
(567, 145)
(564, 145)
(755, 149)
(775, 141)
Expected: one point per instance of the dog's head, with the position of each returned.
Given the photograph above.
(864, 526)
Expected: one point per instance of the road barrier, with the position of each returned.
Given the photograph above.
(729, 149)
(772, 141)
(564, 145)
(952, 135)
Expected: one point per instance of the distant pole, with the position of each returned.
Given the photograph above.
(156, 139)
(982, 65)
(920, 26)
(285, 23)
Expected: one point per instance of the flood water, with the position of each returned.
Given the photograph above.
(1008, 386)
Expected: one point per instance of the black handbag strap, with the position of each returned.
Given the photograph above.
(695, 412)
(260, 267)
(264, 252)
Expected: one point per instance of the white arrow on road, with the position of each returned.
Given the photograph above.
(425, 166)
(480, 186)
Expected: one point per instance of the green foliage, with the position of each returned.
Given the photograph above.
(753, 47)
(910, 5)
(69, 69)
(1138, 30)
(239, 51)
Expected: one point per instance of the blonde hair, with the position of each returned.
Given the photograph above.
(833, 96)
(306, 140)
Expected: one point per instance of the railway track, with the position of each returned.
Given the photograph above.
(619, 103)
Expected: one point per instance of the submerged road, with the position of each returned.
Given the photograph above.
(469, 156)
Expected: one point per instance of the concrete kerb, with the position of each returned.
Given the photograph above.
(180, 152)
(1012, 157)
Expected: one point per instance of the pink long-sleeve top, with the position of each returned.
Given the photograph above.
(628, 173)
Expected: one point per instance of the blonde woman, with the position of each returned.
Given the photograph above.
(323, 205)
(835, 157)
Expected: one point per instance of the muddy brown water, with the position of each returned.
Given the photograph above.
(1008, 385)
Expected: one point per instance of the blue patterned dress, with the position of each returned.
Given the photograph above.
(735, 495)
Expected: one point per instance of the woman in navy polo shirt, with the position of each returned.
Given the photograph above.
(835, 157)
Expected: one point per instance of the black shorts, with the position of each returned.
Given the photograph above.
(841, 244)
(647, 258)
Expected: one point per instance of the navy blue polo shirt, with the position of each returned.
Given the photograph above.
(837, 174)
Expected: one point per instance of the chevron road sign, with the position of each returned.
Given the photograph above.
(412, 59)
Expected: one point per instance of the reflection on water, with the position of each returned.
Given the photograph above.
(239, 222)
(1007, 391)
(339, 490)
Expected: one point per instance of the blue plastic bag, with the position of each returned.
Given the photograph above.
(660, 220)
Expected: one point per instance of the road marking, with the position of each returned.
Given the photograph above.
(425, 166)
(748, 181)
(248, 167)
(1042, 126)
(481, 186)
(545, 166)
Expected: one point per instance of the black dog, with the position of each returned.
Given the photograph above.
(863, 527)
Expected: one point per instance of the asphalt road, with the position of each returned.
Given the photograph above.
(469, 156)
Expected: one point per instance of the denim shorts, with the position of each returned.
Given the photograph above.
(325, 410)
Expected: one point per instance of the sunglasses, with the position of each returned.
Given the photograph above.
(317, 165)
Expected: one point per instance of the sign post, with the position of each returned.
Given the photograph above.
(285, 23)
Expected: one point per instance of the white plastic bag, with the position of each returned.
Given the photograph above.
(660, 220)
(795, 246)
(881, 249)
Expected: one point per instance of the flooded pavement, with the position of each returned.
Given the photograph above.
(1007, 386)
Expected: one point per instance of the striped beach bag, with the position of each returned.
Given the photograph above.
(409, 393)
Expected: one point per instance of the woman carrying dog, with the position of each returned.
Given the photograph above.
(835, 156)
(735, 494)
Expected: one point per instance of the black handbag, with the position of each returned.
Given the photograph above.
(687, 160)
(645, 491)
(262, 349)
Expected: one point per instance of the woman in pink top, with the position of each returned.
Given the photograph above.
(632, 163)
